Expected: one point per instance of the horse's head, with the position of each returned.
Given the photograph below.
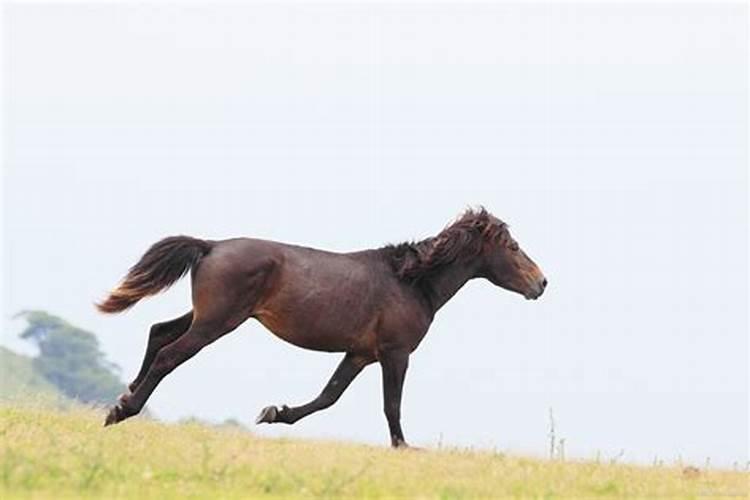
(483, 244)
(507, 266)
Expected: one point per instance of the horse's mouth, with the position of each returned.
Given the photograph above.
(533, 295)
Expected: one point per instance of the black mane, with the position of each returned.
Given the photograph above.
(412, 261)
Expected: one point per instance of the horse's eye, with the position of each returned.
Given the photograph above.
(514, 247)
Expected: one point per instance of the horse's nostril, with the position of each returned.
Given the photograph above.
(544, 282)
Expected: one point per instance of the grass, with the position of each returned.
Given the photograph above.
(57, 454)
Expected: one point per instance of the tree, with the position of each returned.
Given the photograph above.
(70, 358)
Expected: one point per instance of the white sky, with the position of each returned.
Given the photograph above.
(611, 138)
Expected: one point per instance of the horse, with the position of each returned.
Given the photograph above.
(374, 305)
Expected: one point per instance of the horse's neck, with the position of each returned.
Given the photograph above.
(444, 283)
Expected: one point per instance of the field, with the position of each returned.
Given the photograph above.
(66, 453)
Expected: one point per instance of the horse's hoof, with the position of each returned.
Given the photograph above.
(113, 416)
(267, 415)
(120, 411)
(403, 445)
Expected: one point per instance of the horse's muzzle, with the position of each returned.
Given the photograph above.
(537, 289)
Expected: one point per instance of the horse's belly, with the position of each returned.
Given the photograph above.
(321, 308)
(326, 335)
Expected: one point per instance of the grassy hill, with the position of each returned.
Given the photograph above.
(54, 454)
(19, 381)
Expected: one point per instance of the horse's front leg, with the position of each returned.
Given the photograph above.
(347, 370)
(394, 365)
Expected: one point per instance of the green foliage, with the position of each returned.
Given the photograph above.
(19, 380)
(70, 359)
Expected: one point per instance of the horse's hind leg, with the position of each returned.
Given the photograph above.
(200, 334)
(347, 370)
(160, 335)
(223, 298)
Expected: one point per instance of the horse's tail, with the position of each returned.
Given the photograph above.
(164, 263)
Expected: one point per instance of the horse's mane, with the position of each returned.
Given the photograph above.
(412, 261)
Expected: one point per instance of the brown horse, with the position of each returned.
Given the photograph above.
(373, 305)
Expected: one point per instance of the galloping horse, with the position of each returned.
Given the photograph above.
(373, 305)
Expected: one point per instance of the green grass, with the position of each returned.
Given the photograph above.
(61, 454)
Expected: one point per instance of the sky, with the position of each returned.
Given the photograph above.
(612, 139)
